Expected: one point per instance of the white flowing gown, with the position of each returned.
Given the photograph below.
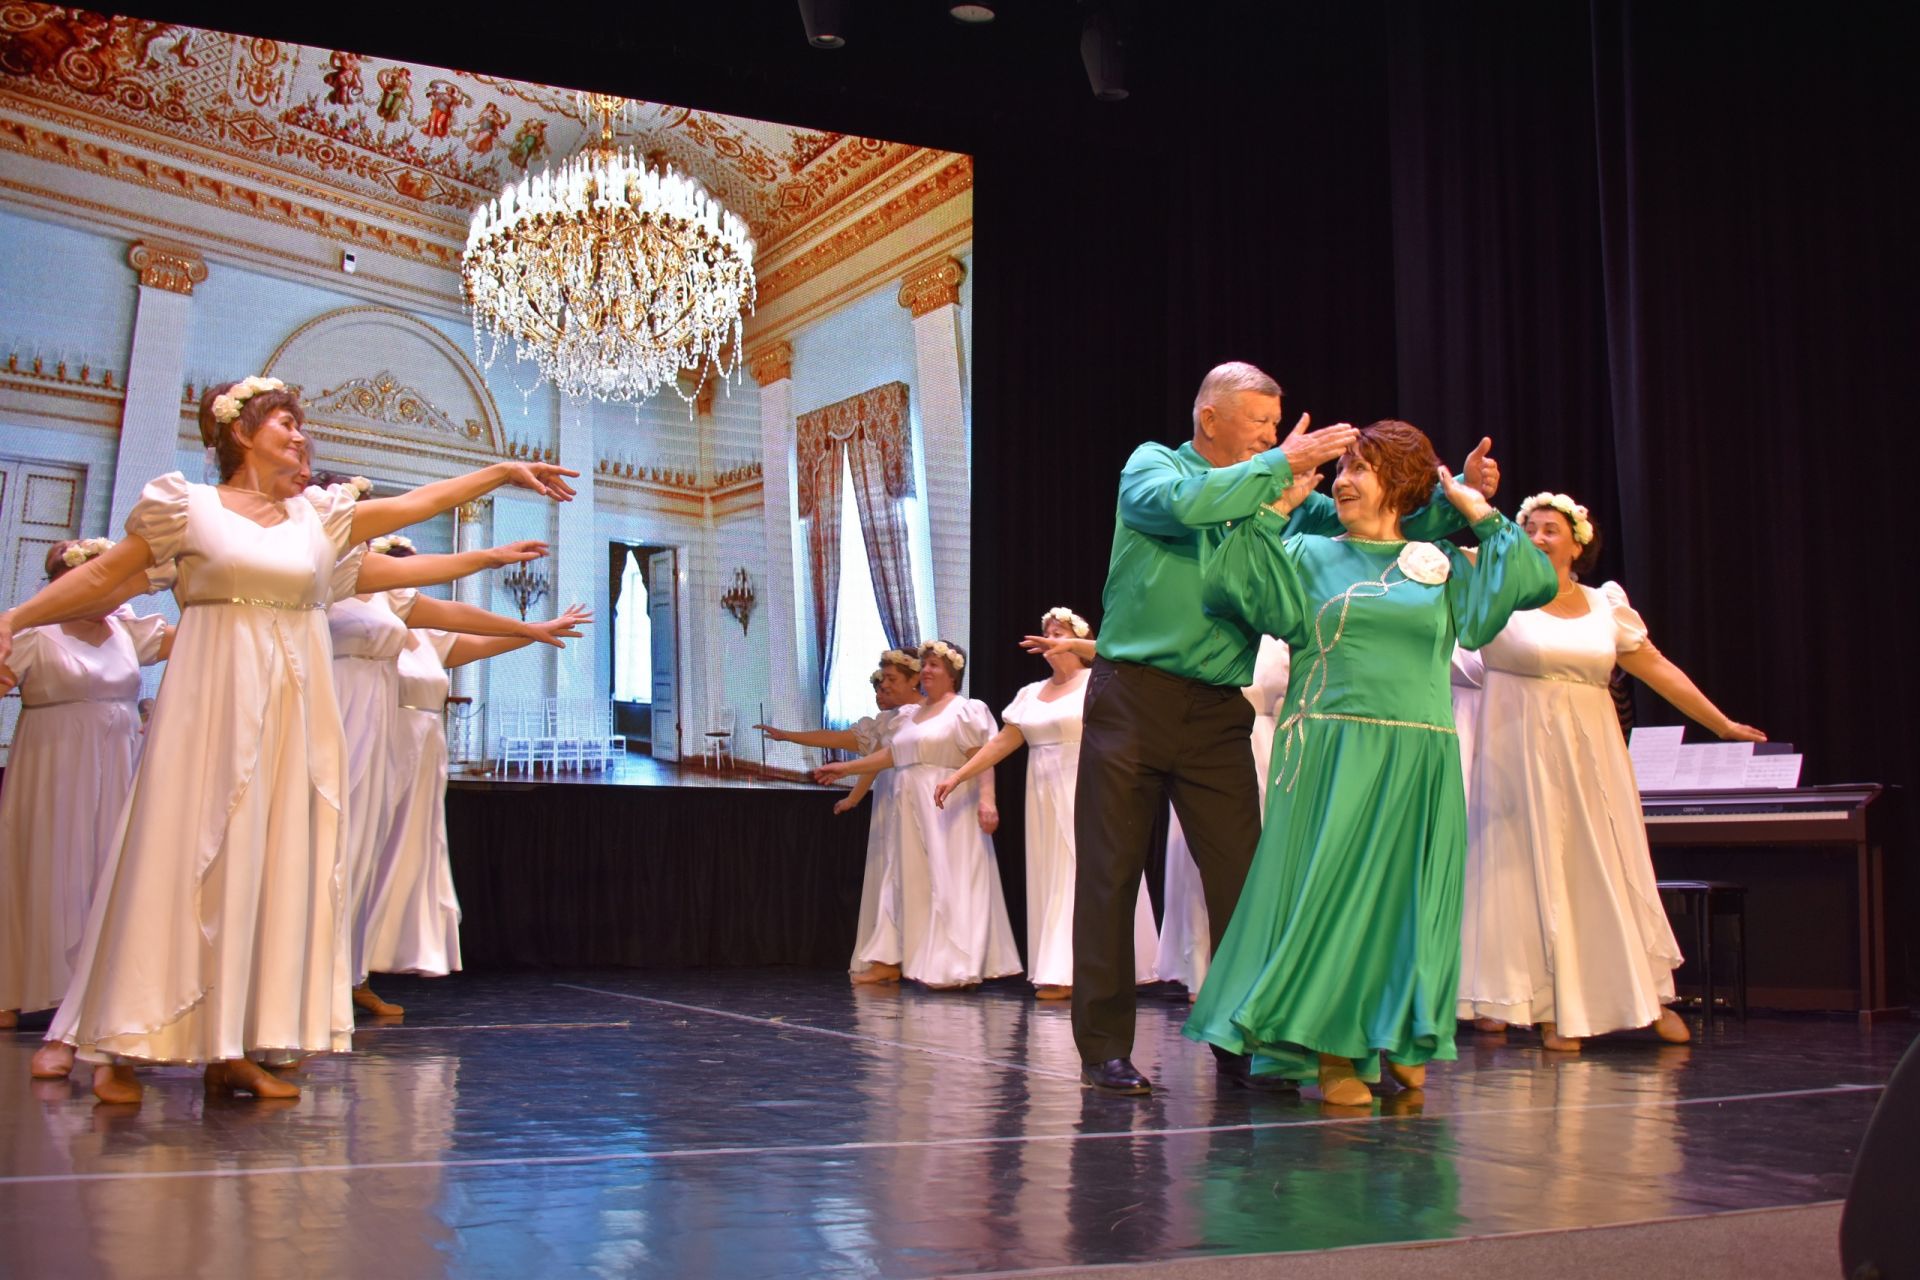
(213, 933)
(368, 635)
(1186, 946)
(1052, 731)
(67, 779)
(876, 940)
(413, 914)
(953, 916)
(1562, 920)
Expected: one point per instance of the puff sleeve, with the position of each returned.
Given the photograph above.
(1629, 629)
(146, 632)
(866, 735)
(159, 518)
(401, 602)
(335, 507)
(976, 725)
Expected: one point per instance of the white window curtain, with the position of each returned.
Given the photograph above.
(632, 637)
(859, 638)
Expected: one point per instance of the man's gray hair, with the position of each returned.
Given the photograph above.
(1225, 379)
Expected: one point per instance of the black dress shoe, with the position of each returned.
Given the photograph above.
(1115, 1075)
(1237, 1068)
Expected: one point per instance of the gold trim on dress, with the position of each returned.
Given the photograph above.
(1391, 724)
(258, 604)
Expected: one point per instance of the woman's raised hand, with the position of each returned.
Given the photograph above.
(1734, 731)
(1304, 483)
(778, 735)
(1470, 503)
(566, 626)
(1306, 449)
(828, 773)
(1047, 646)
(541, 477)
(514, 553)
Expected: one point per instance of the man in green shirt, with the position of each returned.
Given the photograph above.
(1164, 717)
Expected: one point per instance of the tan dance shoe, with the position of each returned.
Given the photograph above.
(876, 973)
(52, 1061)
(364, 997)
(1490, 1026)
(1672, 1028)
(116, 1086)
(244, 1075)
(1339, 1086)
(1554, 1042)
(1052, 991)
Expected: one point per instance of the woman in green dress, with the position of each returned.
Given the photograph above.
(1346, 941)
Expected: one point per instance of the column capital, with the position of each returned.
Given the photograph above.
(474, 511)
(771, 362)
(172, 267)
(932, 285)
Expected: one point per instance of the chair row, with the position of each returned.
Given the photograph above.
(560, 733)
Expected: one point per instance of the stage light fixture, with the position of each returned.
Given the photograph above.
(825, 20)
(971, 14)
(1103, 50)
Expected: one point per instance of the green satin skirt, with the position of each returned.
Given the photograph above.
(1346, 940)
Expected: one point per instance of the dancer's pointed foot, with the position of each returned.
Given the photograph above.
(1339, 1086)
(1408, 1077)
(364, 997)
(877, 973)
(1551, 1039)
(1672, 1028)
(1052, 991)
(52, 1061)
(1490, 1026)
(116, 1085)
(244, 1075)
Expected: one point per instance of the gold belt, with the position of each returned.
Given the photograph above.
(1391, 724)
(68, 702)
(258, 604)
(432, 711)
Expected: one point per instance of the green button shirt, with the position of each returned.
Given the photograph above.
(1175, 509)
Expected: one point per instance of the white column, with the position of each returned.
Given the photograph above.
(470, 534)
(156, 371)
(578, 560)
(794, 702)
(932, 293)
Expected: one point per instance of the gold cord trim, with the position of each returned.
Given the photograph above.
(1391, 724)
(258, 604)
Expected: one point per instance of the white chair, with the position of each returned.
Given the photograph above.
(545, 731)
(515, 743)
(592, 733)
(616, 742)
(719, 737)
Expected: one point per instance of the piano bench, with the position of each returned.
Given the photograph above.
(1700, 902)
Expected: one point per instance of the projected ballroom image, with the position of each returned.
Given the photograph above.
(771, 492)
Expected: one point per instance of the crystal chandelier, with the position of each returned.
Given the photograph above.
(611, 275)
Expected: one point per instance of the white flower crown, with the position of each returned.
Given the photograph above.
(387, 542)
(361, 484)
(84, 550)
(876, 678)
(941, 649)
(902, 659)
(1575, 513)
(226, 407)
(1066, 618)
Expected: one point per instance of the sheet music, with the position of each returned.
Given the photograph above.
(1723, 764)
(1782, 771)
(1655, 751)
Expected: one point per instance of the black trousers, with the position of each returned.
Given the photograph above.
(1149, 737)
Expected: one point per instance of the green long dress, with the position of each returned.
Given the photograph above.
(1347, 937)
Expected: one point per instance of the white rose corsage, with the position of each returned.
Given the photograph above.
(84, 550)
(387, 542)
(226, 407)
(941, 649)
(1425, 563)
(1066, 618)
(902, 659)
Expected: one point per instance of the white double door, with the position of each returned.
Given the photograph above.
(39, 506)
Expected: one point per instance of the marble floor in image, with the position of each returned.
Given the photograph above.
(777, 1123)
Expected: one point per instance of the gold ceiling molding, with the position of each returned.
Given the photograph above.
(931, 286)
(172, 267)
(870, 228)
(96, 157)
(384, 398)
(770, 363)
(882, 274)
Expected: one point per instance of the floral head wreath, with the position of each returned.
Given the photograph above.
(226, 407)
(387, 542)
(876, 678)
(84, 550)
(1575, 513)
(902, 659)
(1066, 618)
(941, 649)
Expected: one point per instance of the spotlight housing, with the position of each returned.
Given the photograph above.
(825, 21)
(1103, 50)
(971, 14)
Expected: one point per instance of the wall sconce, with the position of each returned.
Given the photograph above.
(527, 587)
(738, 599)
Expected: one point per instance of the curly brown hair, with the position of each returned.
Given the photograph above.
(1403, 458)
(226, 438)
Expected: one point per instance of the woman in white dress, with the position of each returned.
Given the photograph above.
(67, 776)
(412, 913)
(1186, 946)
(1045, 717)
(954, 930)
(212, 936)
(876, 939)
(1562, 926)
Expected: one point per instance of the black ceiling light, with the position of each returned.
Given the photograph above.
(1103, 48)
(825, 22)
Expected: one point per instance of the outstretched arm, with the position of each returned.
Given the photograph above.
(447, 615)
(832, 739)
(470, 648)
(388, 573)
(86, 592)
(1659, 674)
(851, 801)
(1047, 646)
(375, 516)
(997, 748)
(881, 759)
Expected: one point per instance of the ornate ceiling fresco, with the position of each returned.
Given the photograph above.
(415, 144)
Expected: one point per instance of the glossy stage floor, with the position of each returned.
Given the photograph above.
(775, 1123)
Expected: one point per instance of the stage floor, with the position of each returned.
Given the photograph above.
(775, 1123)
